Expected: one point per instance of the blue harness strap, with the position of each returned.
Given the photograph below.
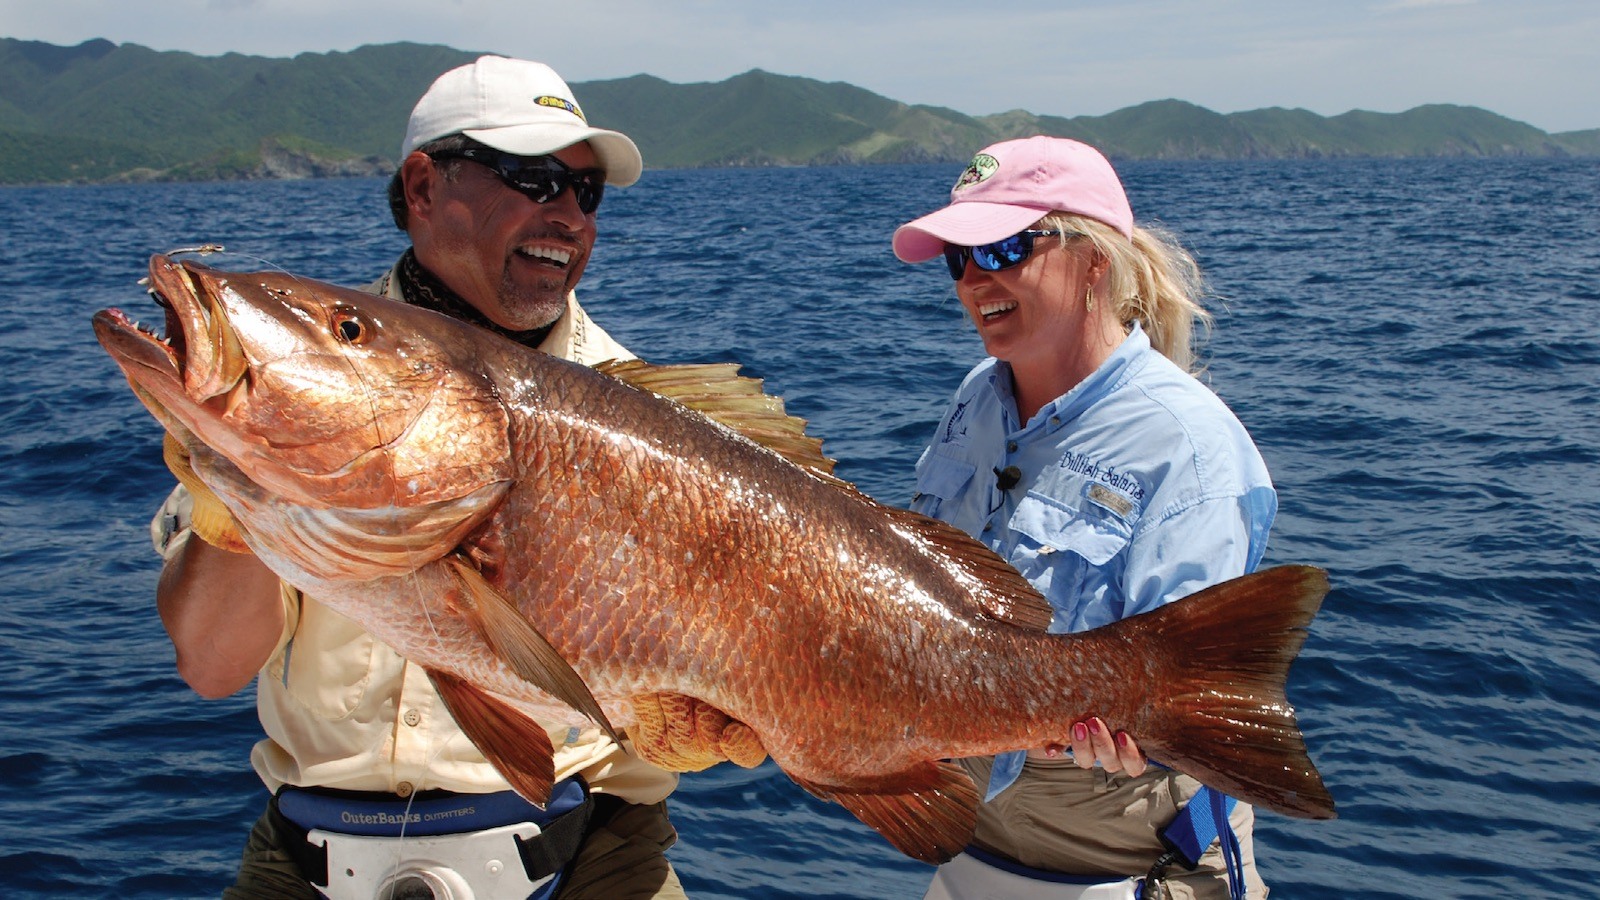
(1202, 820)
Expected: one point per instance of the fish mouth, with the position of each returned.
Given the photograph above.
(198, 366)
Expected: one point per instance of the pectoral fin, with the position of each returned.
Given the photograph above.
(519, 645)
(932, 822)
(518, 747)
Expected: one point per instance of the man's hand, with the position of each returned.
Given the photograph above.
(679, 733)
(210, 520)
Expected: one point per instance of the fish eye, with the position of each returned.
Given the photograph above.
(349, 328)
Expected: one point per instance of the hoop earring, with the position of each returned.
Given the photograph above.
(1088, 298)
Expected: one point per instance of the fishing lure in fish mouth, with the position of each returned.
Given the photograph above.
(569, 540)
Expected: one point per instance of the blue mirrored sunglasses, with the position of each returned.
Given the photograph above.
(539, 178)
(1002, 254)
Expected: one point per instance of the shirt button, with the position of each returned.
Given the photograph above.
(412, 717)
(1011, 446)
(404, 789)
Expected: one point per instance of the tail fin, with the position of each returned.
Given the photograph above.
(1220, 713)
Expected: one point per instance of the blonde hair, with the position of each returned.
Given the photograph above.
(1151, 278)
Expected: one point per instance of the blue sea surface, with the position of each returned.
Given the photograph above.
(1415, 346)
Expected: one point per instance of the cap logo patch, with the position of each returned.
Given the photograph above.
(982, 166)
(561, 103)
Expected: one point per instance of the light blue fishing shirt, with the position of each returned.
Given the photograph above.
(1134, 489)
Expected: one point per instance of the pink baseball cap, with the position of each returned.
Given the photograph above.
(519, 107)
(1013, 184)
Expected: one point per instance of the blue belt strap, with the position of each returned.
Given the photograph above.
(1010, 865)
(379, 815)
(1202, 820)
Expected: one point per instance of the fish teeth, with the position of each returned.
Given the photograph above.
(151, 332)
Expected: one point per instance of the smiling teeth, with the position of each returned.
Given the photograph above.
(557, 256)
(993, 309)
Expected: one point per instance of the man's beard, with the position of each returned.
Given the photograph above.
(421, 287)
(527, 308)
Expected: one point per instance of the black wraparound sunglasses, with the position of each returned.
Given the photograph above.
(539, 178)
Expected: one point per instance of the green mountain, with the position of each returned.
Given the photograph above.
(763, 119)
(1173, 129)
(99, 111)
(102, 112)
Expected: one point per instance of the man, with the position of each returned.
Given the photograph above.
(499, 181)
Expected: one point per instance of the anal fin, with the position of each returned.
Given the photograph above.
(931, 822)
(518, 747)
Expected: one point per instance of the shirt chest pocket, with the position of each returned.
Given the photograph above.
(940, 479)
(1064, 549)
(328, 664)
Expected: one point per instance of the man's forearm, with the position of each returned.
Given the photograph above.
(224, 613)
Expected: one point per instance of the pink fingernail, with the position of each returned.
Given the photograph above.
(1080, 733)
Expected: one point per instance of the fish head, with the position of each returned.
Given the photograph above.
(347, 425)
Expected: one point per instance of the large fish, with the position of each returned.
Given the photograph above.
(554, 541)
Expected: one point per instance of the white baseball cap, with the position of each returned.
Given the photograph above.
(519, 107)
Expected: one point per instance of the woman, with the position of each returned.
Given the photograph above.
(1085, 453)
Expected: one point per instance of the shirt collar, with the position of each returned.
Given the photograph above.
(1124, 361)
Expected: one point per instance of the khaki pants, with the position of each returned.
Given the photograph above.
(621, 858)
(1076, 821)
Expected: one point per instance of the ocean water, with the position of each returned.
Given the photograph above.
(1414, 345)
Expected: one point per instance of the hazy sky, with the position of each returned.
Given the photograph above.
(1532, 60)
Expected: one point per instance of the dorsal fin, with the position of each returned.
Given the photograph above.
(718, 392)
(1003, 593)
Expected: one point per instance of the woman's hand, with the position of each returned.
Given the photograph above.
(1093, 742)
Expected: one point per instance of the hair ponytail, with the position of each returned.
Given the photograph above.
(1151, 279)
